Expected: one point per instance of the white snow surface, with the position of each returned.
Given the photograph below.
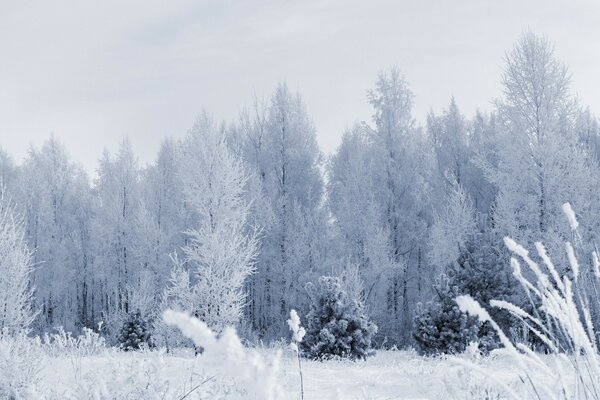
(387, 375)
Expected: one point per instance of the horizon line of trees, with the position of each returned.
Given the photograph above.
(232, 222)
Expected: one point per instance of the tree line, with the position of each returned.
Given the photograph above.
(235, 220)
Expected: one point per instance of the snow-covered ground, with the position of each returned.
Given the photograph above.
(387, 375)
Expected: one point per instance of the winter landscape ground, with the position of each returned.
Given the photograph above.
(388, 375)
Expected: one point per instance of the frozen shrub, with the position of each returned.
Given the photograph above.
(337, 324)
(134, 333)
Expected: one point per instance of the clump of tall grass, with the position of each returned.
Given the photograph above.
(298, 333)
(562, 322)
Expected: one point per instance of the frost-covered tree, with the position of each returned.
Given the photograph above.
(54, 196)
(449, 134)
(16, 267)
(401, 168)
(337, 324)
(380, 195)
(117, 189)
(278, 142)
(222, 247)
(361, 235)
(539, 164)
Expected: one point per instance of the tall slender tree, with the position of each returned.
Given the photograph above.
(16, 267)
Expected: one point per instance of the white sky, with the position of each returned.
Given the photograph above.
(93, 72)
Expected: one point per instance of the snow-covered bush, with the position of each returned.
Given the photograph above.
(134, 333)
(256, 377)
(21, 361)
(337, 324)
(573, 370)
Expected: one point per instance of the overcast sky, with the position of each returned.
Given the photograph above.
(94, 72)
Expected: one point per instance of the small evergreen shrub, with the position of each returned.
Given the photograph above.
(134, 333)
(440, 326)
(337, 324)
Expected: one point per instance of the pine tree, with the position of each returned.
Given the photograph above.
(337, 324)
(479, 272)
(440, 326)
(134, 333)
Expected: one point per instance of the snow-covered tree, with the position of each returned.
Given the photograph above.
(16, 267)
(135, 332)
(337, 324)
(539, 163)
(279, 143)
(440, 326)
(221, 248)
(402, 163)
(54, 196)
(117, 189)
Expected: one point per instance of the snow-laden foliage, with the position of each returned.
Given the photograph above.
(278, 142)
(337, 324)
(257, 376)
